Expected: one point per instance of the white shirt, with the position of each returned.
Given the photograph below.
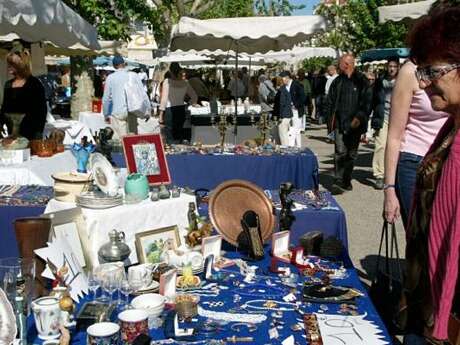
(288, 86)
(330, 79)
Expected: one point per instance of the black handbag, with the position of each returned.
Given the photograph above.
(387, 285)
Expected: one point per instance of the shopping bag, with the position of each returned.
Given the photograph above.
(137, 100)
(387, 286)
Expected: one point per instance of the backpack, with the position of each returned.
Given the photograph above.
(137, 100)
(271, 94)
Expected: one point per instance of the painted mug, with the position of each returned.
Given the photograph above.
(47, 316)
(133, 322)
(103, 333)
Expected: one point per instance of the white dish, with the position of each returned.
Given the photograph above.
(103, 174)
(152, 303)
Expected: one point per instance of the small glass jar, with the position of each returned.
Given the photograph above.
(175, 192)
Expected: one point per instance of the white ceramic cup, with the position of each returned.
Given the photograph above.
(142, 272)
(103, 333)
(195, 259)
(47, 316)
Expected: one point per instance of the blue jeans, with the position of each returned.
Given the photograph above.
(406, 175)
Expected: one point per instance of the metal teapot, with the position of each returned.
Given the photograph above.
(116, 249)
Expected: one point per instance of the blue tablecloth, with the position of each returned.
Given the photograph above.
(268, 172)
(8, 244)
(261, 336)
(26, 201)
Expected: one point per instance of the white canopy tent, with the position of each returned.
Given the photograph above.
(249, 35)
(46, 20)
(296, 55)
(412, 10)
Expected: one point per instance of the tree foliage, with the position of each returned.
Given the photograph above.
(114, 18)
(229, 9)
(355, 27)
(275, 7)
(317, 62)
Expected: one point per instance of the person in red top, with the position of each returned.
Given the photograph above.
(433, 235)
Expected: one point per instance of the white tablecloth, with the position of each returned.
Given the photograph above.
(95, 122)
(37, 170)
(74, 130)
(131, 219)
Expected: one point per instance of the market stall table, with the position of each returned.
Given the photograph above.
(17, 202)
(268, 172)
(74, 131)
(259, 291)
(37, 171)
(94, 121)
(131, 219)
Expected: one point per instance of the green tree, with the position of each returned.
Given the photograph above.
(354, 27)
(275, 7)
(229, 9)
(114, 19)
(317, 62)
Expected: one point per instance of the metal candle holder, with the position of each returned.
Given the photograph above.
(222, 126)
(264, 125)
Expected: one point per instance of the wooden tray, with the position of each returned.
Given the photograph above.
(230, 200)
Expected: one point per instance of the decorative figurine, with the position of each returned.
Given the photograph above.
(103, 146)
(82, 152)
(286, 215)
(192, 217)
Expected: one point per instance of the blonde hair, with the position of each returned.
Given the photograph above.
(20, 61)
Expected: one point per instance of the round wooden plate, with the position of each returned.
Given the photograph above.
(230, 200)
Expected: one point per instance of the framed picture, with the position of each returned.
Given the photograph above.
(144, 154)
(70, 224)
(152, 243)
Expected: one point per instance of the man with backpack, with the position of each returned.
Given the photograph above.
(124, 100)
(266, 93)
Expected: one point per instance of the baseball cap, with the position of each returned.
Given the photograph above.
(118, 60)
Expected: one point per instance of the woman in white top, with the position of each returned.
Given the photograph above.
(172, 105)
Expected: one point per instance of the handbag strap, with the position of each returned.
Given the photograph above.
(391, 252)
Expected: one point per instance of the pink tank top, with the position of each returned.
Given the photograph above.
(422, 126)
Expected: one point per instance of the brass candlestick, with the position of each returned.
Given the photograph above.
(264, 125)
(222, 126)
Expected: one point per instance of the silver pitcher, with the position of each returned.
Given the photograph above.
(116, 249)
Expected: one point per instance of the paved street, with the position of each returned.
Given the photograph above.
(363, 206)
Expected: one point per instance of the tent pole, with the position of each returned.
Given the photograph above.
(235, 118)
(249, 71)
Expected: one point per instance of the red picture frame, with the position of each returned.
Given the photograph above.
(145, 154)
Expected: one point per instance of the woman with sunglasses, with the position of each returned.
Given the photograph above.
(24, 94)
(413, 126)
(433, 234)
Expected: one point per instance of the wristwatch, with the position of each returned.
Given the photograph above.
(387, 186)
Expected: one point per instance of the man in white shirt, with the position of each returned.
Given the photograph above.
(114, 104)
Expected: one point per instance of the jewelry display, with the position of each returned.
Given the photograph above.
(237, 327)
(312, 330)
(231, 317)
(269, 305)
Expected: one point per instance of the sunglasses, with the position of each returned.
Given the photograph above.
(430, 73)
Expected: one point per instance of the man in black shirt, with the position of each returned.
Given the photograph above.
(348, 106)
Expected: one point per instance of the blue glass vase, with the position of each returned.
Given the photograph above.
(82, 154)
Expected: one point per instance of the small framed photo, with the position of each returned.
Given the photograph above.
(145, 154)
(152, 243)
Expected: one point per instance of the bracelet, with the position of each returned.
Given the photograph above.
(387, 186)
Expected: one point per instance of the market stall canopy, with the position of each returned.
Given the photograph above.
(412, 10)
(246, 35)
(296, 55)
(106, 48)
(384, 54)
(46, 20)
